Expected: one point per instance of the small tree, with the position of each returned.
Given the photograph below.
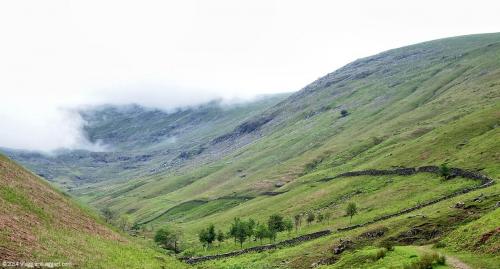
(344, 113)
(297, 221)
(275, 224)
(167, 239)
(444, 171)
(351, 210)
(207, 236)
(328, 215)
(321, 217)
(220, 237)
(288, 226)
(310, 217)
(107, 214)
(261, 232)
(251, 227)
(233, 228)
(124, 223)
(242, 232)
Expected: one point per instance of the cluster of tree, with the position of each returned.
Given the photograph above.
(310, 217)
(243, 230)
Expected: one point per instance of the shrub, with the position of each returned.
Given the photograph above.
(351, 210)
(444, 171)
(297, 221)
(107, 214)
(426, 261)
(310, 217)
(439, 245)
(441, 260)
(320, 217)
(288, 225)
(387, 245)
(344, 113)
(380, 254)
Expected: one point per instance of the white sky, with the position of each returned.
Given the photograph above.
(62, 54)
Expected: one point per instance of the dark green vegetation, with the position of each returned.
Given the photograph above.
(435, 103)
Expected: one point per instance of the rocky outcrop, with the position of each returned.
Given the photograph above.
(342, 246)
(244, 128)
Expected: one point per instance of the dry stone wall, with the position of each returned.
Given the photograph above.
(454, 172)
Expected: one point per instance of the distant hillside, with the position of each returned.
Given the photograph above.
(143, 141)
(428, 103)
(41, 224)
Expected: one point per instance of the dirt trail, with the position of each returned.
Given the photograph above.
(450, 260)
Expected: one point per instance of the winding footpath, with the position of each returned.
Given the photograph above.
(453, 172)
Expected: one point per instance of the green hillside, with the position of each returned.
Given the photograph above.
(427, 104)
(40, 224)
(138, 140)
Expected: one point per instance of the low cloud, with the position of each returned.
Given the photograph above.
(47, 123)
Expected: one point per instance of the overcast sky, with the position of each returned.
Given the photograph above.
(57, 55)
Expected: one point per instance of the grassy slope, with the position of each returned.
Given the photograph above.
(425, 104)
(40, 224)
(441, 215)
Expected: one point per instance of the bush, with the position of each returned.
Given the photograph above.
(441, 260)
(426, 261)
(444, 171)
(310, 217)
(380, 254)
(344, 113)
(387, 245)
(439, 245)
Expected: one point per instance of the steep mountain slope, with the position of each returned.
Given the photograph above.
(40, 224)
(142, 141)
(429, 103)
